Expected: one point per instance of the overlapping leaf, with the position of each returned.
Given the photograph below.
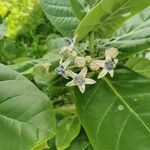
(115, 112)
(26, 114)
(68, 129)
(139, 65)
(60, 15)
(134, 35)
(108, 15)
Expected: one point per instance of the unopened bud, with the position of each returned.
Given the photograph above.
(88, 59)
(96, 64)
(80, 61)
(73, 54)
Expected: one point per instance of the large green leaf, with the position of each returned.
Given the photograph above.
(115, 112)
(68, 129)
(26, 114)
(78, 9)
(108, 15)
(134, 35)
(139, 65)
(60, 15)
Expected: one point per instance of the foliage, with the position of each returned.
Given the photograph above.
(45, 43)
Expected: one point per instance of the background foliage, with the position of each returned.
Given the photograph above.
(37, 111)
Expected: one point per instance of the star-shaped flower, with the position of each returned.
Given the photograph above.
(61, 69)
(79, 79)
(70, 42)
(109, 63)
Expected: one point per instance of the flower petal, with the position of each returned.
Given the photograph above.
(71, 83)
(83, 72)
(107, 55)
(102, 73)
(89, 81)
(116, 61)
(63, 50)
(82, 88)
(70, 73)
(66, 63)
(113, 52)
(111, 72)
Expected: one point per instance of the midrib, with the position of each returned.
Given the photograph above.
(126, 104)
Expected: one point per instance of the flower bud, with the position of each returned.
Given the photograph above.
(88, 59)
(73, 54)
(80, 61)
(95, 65)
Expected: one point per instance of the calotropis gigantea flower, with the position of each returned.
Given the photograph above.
(70, 42)
(79, 79)
(109, 63)
(62, 68)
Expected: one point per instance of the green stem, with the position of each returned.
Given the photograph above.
(91, 43)
(67, 110)
(90, 3)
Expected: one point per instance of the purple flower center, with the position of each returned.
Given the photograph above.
(79, 80)
(60, 70)
(109, 65)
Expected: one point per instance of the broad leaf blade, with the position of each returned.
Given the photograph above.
(78, 9)
(26, 114)
(134, 35)
(108, 15)
(60, 15)
(139, 65)
(115, 112)
(68, 129)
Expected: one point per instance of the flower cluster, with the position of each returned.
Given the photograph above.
(70, 57)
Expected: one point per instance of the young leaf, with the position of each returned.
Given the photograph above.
(26, 114)
(139, 65)
(68, 129)
(60, 15)
(78, 9)
(115, 112)
(108, 15)
(134, 35)
(80, 143)
(55, 43)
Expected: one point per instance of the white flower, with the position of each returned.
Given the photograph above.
(62, 68)
(70, 42)
(109, 63)
(79, 79)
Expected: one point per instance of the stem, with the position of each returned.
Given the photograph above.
(91, 42)
(66, 110)
(89, 2)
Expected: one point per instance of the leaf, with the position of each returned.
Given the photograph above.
(56, 43)
(134, 35)
(60, 15)
(26, 114)
(139, 65)
(78, 9)
(80, 143)
(42, 146)
(27, 67)
(68, 129)
(115, 112)
(108, 15)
